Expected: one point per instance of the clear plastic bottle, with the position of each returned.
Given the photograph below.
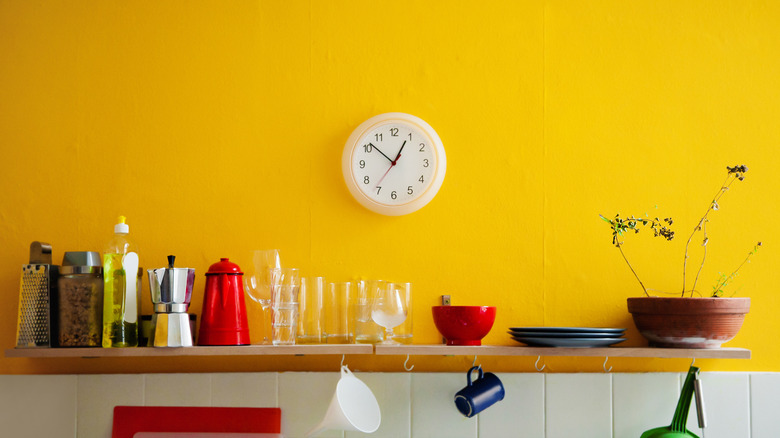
(121, 289)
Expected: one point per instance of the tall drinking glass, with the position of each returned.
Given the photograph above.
(310, 300)
(258, 284)
(336, 327)
(403, 333)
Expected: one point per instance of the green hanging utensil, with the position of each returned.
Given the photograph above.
(677, 429)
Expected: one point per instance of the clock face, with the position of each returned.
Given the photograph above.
(394, 163)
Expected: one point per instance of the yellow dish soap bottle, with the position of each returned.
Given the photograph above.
(121, 289)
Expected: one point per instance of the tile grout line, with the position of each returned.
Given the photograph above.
(612, 403)
(211, 389)
(411, 400)
(750, 405)
(276, 388)
(76, 407)
(544, 402)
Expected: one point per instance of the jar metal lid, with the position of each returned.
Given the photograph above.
(81, 258)
(69, 270)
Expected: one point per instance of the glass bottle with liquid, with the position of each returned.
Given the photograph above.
(121, 289)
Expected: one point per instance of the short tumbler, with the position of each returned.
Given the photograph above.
(366, 330)
(284, 306)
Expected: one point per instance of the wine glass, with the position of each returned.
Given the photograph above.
(389, 310)
(259, 284)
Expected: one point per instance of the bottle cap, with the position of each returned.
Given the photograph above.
(121, 227)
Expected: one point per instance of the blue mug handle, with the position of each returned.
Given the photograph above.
(471, 370)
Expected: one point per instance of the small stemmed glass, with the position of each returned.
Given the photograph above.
(259, 284)
(389, 311)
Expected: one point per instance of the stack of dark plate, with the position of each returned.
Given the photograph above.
(567, 336)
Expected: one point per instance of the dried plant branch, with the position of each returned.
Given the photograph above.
(734, 173)
(620, 226)
(704, 243)
(632, 269)
(717, 290)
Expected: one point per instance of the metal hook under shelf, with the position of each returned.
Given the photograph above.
(536, 364)
(604, 365)
(474, 363)
(342, 359)
(405, 362)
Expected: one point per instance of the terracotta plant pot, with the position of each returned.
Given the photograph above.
(688, 322)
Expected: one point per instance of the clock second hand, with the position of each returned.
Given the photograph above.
(392, 163)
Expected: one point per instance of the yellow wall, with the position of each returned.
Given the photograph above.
(217, 127)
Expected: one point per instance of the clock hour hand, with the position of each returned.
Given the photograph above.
(383, 154)
(399, 153)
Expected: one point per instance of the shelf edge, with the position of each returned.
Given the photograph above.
(497, 350)
(245, 350)
(380, 350)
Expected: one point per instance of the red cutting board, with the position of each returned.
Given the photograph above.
(131, 419)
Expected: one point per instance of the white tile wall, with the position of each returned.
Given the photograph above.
(38, 406)
(537, 405)
(726, 403)
(393, 393)
(98, 394)
(765, 405)
(643, 401)
(578, 406)
(177, 390)
(433, 407)
(249, 390)
(521, 413)
(304, 399)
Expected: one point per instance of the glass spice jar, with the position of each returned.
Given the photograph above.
(80, 306)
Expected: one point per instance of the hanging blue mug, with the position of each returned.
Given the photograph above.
(479, 394)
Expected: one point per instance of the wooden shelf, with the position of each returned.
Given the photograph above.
(382, 350)
(243, 350)
(502, 350)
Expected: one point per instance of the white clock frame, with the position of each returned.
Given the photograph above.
(409, 202)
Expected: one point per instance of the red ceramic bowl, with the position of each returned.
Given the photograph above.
(464, 325)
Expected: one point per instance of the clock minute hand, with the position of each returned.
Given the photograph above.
(383, 154)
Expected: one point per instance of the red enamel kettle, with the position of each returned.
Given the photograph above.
(224, 320)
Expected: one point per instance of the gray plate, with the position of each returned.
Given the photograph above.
(564, 335)
(568, 329)
(568, 342)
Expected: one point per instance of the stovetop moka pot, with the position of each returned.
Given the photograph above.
(171, 290)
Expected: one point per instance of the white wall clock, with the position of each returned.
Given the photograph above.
(394, 163)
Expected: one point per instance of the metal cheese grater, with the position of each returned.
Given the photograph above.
(38, 300)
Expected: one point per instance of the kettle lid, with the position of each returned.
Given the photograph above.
(224, 266)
